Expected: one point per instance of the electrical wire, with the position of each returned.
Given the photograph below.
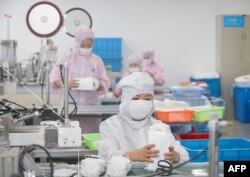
(37, 97)
(44, 74)
(166, 168)
(14, 112)
(29, 149)
(74, 102)
(15, 104)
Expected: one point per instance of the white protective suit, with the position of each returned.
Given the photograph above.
(120, 133)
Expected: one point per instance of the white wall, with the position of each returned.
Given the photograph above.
(182, 32)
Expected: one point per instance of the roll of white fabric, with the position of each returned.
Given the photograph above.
(88, 83)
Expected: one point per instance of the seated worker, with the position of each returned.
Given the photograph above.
(134, 65)
(127, 132)
(152, 67)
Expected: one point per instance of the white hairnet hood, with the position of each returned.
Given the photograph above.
(134, 84)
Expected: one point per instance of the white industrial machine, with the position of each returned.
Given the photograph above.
(62, 133)
(44, 19)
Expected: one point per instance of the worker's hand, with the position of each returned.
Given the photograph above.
(172, 156)
(59, 84)
(73, 84)
(143, 154)
(100, 87)
(151, 74)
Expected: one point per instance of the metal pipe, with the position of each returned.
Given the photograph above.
(47, 72)
(27, 117)
(8, 25)
(66, 95)
(213, 126)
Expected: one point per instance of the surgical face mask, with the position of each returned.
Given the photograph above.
(85, 51)
(147, 61)
(134, 69)
(91, 167)
(118, 166)
(140, 109)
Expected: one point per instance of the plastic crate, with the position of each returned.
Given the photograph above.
(193, 101)
(193, 136)
(186, 92)
(174, 116)
(91, 140)
(203, 115)
(229, 149)
(110, 50)
(213, 85)
(201, 128)
(217, 101)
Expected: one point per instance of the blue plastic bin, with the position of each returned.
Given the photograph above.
(235, 149)
(213, 85)
(201, 128)
(241, 95)
(110, 50)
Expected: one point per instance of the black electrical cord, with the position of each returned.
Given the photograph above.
(43, 84)
(166, 168)
(15, 104)
(15, 113)
(28, 149)
(72, 113)
(74, 102)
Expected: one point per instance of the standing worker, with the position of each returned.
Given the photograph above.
(134, 65)
(154, 69)
(82, 63)
(126, 134)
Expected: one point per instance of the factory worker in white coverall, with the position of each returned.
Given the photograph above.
(126, 133)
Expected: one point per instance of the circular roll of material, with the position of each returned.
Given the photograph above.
(44, 19)
(243, 79)
(74, 18)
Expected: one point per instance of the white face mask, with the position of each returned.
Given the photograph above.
(140, 109)
(147, 61)
(85, 51)
(134, 69)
